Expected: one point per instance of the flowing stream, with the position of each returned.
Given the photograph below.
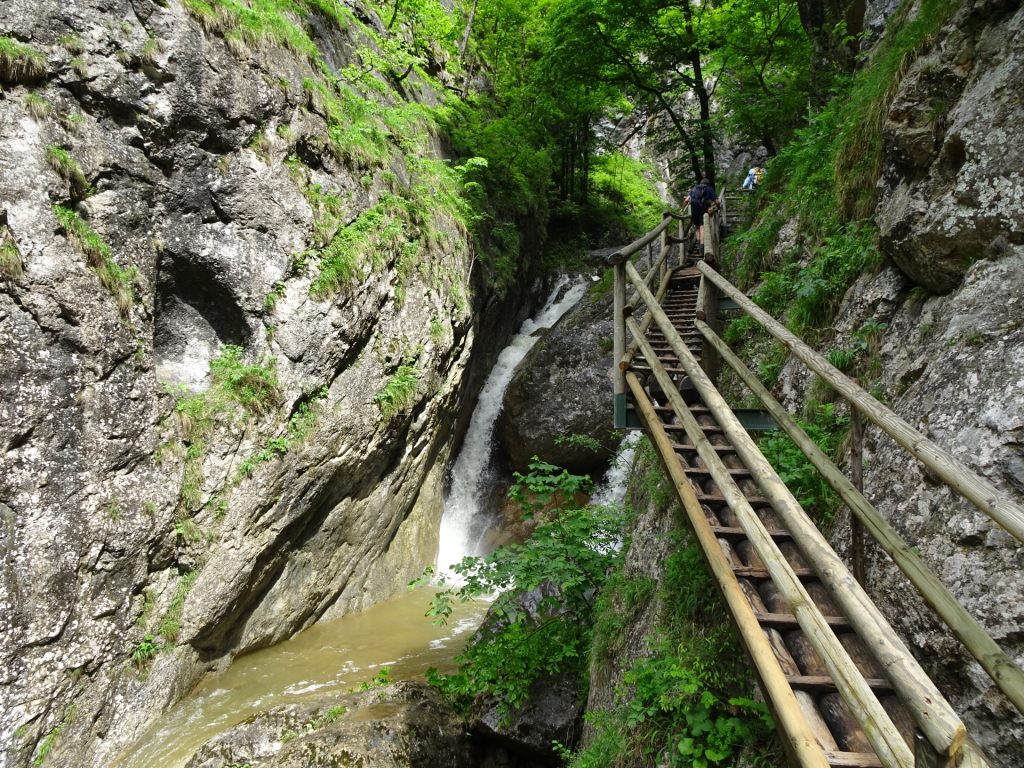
(337, 655)
(328, 658)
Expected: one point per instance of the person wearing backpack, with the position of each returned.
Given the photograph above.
(702, 199)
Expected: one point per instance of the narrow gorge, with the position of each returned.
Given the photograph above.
(302, 301)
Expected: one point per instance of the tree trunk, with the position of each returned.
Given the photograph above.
(706, 139)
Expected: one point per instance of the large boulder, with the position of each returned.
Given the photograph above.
(562, 388)
(953, 190)
(397, 726)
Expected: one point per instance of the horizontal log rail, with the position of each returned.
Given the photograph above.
(1007, 675)
(951, 471)
(941, 725)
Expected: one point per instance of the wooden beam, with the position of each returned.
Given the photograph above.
(628, 250)
(930, 709)
(979, 491)
(885, 738)
(1004, 672)
(800, 740)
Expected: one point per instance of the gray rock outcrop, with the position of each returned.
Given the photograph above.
(953, 370)
(952, 185)
(154, 520)
(400, 725)
(560, 389)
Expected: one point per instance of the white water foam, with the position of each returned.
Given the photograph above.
(462, 524)
(612, 490)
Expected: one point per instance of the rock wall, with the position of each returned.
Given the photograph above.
(152, 525)
(951, 218)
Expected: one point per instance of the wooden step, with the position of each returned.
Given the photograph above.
(725, 532)
(761, 574)
(818, 684)
(789, 621)
(852, 759)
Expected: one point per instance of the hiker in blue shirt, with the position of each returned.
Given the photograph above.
(751, 181)
(702, 199)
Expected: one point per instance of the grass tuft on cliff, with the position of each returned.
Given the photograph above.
(399, 392)
(11, 267)
(20, 63)
(67, 168)
(119, 281)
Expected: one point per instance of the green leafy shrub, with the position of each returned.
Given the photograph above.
(20, 63)
(119, 281)
(399, 392)
(828, 430)
(561, 566)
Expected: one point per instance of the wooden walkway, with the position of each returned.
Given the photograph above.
(844, 689)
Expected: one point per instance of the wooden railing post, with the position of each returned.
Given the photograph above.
(681, 236)
(857, 478)
(663, 244)
(619, 345)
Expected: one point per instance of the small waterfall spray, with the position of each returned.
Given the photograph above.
(462, 524)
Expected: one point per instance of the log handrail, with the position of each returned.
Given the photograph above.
(929, 708)
(976, 640)
(953, 472)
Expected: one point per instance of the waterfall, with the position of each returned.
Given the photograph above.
(612, 490)
(464, 522)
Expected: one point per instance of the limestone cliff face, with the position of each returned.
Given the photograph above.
(951, 220)
(953, 184)
(171, 193)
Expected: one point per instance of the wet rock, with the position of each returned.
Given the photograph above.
(403, 725)
(553, 712)
(952, 369)
(561, 388)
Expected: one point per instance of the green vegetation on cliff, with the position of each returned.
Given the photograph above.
(540, 622)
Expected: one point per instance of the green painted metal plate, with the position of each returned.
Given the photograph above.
(726, 304)
(755, 419)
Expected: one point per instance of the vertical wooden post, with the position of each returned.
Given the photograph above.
(662, 245)
(619, 346)
(725, 217)
(681, 236)
(857, 478)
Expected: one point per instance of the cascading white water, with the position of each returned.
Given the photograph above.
(462, 523)
(612, 490)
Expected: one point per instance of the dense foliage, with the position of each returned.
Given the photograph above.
(688, 701)
(540, 621)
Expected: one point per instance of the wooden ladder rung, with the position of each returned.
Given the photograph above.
(852, 759)
(825, 684)
(753, 572)
(789, 621)
(718, 448)
(724, 532)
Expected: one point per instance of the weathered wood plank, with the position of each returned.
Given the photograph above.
(1006, 674)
